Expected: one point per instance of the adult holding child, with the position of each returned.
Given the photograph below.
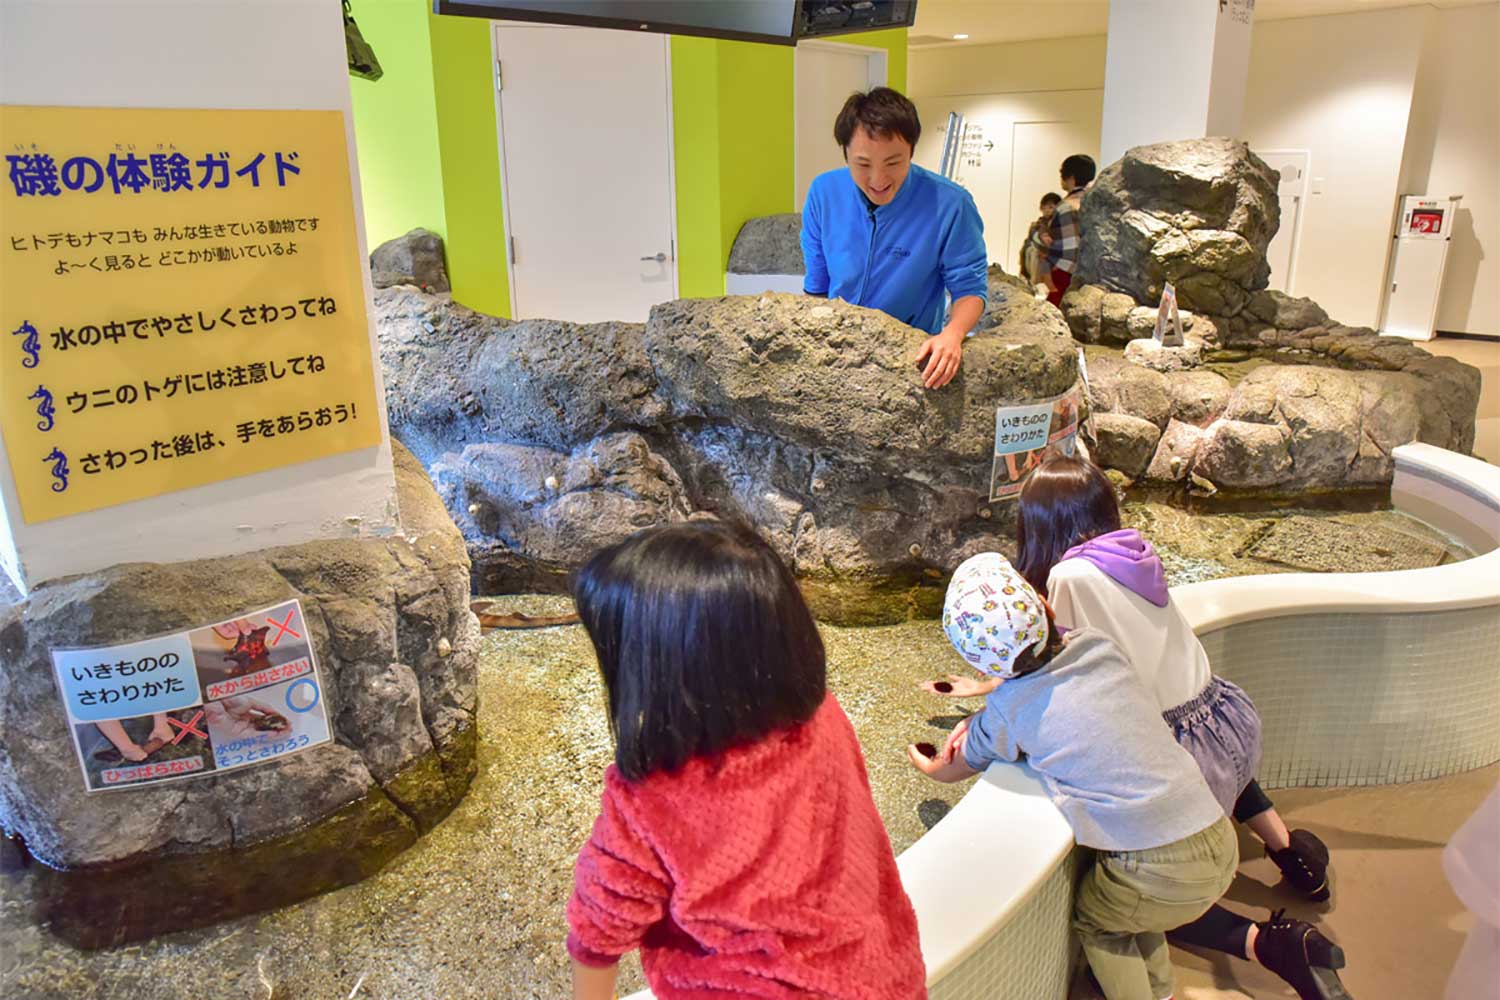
(887, 234)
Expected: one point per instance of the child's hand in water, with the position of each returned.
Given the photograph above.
(955, 686)
(947, 764)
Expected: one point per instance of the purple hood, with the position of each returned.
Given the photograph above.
(1129, 560)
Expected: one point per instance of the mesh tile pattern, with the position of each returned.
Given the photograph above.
(1031, 956)
(1363, 699)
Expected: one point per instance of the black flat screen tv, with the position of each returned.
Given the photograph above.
(780, 22)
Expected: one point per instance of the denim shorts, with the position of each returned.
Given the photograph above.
(1221, 729)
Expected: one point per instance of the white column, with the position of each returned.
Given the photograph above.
(269, 54)
(1174, 70)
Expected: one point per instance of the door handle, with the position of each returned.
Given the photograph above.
(660, 258)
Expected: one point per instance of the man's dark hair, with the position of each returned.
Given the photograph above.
(1079, 167)
(882, 112)
(1051, 198)
(703, 640)
(1065, 502)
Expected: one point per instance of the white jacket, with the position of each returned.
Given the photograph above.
(1158, 642)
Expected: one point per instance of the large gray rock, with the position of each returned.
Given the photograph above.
(806, 417)
(1124, 442)
(1150, 353)
(1283, 312)
(1198, 397)
(771, 244)
(1083, 306)
(397, 651)
(413, 259)
(1176, 453)
(1198, 213)
(1118, 386)
(1011, 305)
(1244, 456)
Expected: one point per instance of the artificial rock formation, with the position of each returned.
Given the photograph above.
(396, 647)
(1329, 402)
(771, 244)
(808, 418)
(1199, 214)
(413, 259)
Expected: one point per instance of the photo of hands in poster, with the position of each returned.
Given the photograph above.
(232, 694)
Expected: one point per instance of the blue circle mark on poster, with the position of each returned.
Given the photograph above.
(291, 703)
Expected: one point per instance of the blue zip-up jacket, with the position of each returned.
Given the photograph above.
(898, 258)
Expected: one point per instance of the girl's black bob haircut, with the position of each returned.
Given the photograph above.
(703, 640)
(1065, 502)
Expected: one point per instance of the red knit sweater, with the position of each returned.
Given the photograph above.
(762, 872)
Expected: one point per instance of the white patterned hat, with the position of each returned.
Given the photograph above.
(991, 615)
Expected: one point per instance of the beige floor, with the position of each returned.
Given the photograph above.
(1484, 355)
(1392, 910)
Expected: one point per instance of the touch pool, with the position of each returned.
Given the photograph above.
(476, 908)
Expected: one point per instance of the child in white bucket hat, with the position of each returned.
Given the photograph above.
(1081, 717)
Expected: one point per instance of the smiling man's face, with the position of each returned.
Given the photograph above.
(878, 165)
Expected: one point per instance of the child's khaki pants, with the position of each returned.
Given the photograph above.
(1128, 901)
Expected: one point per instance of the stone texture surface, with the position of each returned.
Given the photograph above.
(1330, 545)
(1200, 214)
(1124, 442)
(804, 416)
(1149, 353)
(1244, 456)
(413, 259)
(1197, 213)
(771, 244)
(1176, 453)
(1198, 397)
(396, 646)
(1120, 387)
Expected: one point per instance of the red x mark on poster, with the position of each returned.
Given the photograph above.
(187, 727)
(282, 627)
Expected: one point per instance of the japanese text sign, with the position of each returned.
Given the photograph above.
(1026, 436)
(181, 301)
(239, 692)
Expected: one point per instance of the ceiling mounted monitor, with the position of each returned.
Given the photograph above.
(781, 22)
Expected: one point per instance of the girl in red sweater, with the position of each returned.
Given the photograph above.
(737, 844)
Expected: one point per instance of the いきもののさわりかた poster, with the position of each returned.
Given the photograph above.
(236, 693)
(1027, 435)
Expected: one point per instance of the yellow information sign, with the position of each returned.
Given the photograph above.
(180, 301)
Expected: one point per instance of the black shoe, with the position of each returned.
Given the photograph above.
(1305, 864)
(1301, 955)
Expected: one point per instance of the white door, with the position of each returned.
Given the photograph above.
(586, 158)
(1037, 152)
(827, 73)
(1292, 167)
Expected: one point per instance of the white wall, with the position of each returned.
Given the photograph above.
(192, 54)
(1453, 147)
(1021, 166)
(999, 86)
(1171, 69)
(1049, 64)
(1342, 87)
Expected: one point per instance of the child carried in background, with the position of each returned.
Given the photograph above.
(1077, 711)
(737, 845)
(1034, 248)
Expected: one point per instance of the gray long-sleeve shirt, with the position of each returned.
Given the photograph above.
(1096, 736)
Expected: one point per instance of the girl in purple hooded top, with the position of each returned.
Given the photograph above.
(1094, 573)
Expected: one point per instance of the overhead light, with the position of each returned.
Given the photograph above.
(959, 38)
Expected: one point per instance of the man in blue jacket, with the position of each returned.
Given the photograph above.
(887, 234)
